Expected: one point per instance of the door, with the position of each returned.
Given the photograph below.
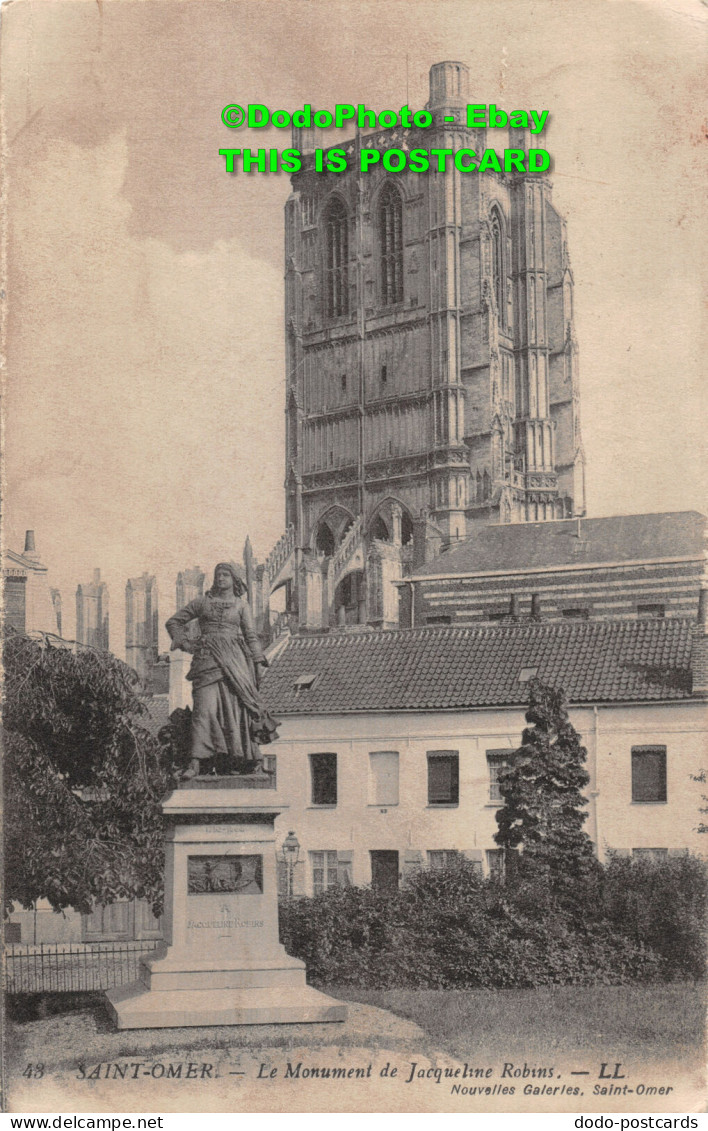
(384, 870)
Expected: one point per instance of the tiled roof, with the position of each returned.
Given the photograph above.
(533, 545)
(443, 668)
(158, 712)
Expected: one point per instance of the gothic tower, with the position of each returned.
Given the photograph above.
(431, 361)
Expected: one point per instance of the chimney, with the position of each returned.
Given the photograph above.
(699, 648)
(514, 607)
(535, 606)
(30, 550)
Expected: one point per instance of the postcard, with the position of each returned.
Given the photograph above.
(354, 558)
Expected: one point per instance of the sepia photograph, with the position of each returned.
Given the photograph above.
(354, 556)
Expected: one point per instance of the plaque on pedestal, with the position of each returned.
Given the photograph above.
(221, 962)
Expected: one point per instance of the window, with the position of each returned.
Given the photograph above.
(323, 771)
(336, 260)
(648, 773)
(443, 777)
(324, 870)
(384, 374)
(383, 777)
(391, 245)
(651, 612)
(443, 857)
(496, 760)
(305, 681)
(527, 674)
(270, 766)
(650, 853)
(384, 870)
(495, 862)
(577, 613)
(438, 620)
(498, 265)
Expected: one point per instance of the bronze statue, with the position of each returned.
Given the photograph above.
(229, 719)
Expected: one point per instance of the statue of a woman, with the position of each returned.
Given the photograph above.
(229, 717)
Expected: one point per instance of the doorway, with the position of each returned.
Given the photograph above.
(384, 870)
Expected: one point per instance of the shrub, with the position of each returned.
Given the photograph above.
(662, 905)
(450, 928)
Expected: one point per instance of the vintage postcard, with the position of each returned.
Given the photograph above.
(354, 558)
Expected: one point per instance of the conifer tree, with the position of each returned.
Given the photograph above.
(544, 809)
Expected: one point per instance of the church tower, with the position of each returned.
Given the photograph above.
(431, 361)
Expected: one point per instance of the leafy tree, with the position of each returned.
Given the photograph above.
(83, 779)
(543, 812)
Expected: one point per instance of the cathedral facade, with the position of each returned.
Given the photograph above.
(431, 362)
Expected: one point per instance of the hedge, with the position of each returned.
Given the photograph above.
(450, 928)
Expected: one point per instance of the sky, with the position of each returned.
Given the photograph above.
(144, 389)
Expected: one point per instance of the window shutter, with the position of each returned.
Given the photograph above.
(282, 878)
(299, 880)
(475, 857)
(649, 773)
(443, 777)
(344, 869)
(412, 863)
(383, 777)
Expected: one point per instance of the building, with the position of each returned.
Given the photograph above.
(432, 378)
(141, 624)
(92, 617)
(391, 741)
(190, 584)
(637, 565)
(56, 604)
(30, 605)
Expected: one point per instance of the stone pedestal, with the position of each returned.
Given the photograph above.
(221, 962)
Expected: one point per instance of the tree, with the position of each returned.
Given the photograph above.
(543, 812)
(83, 779)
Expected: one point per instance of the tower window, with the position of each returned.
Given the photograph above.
(344, 382)
(336, 260)
(391, 245)
(498, 266)
(651, 612)
(384, 374)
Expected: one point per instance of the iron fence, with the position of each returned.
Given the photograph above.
(66, 967)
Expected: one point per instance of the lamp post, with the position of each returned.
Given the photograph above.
(291, 855)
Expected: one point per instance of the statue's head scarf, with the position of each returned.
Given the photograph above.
(238, 574)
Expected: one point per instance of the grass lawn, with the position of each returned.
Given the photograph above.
(620, 1022)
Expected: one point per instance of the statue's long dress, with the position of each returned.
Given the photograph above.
(228, 710)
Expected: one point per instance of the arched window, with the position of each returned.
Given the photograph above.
(325, 540)
(379, 529)
(499, 265)
(391, 245)
(336, 260)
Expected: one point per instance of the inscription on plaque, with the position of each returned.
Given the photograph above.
(242, 875)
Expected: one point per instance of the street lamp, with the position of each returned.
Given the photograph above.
(291, 855)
